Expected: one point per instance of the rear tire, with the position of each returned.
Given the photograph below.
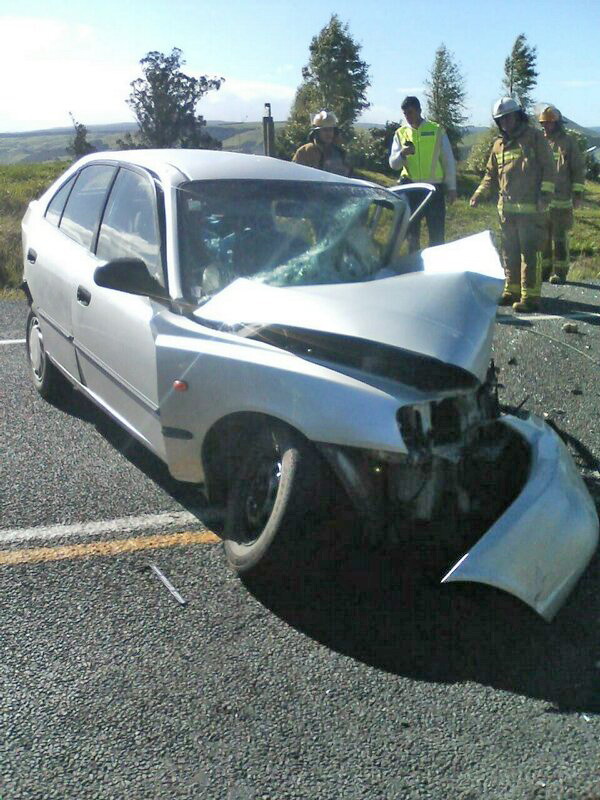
(274, 499)
(46, 378)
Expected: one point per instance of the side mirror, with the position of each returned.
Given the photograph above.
(129, 275)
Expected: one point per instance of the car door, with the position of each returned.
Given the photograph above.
(114, 333)
(57, 250)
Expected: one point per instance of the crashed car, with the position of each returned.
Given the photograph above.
(254, 324)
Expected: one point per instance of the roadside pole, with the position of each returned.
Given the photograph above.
(268, 132)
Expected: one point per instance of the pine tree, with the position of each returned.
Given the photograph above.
(446, 95)
(335, 78)
(79, 146)
(520, 75)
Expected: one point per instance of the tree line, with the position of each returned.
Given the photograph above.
(164, 100)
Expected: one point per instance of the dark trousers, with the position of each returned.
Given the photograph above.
(435, 217)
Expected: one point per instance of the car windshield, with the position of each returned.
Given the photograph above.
(284, 233)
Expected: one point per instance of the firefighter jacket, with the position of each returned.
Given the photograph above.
(570, 168)
(521, 169)
(330, 159)
(432, 162)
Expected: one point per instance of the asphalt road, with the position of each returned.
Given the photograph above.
(358, 677)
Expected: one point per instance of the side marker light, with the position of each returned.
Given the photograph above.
(180, 386)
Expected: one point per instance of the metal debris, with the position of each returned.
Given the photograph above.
(162, 577)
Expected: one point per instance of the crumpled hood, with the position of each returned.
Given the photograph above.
(446, 310)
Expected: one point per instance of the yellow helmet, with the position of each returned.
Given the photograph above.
(549, 114)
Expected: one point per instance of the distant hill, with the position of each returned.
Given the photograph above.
(241, 137)
(51, 144)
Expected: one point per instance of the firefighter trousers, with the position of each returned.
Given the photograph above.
(556, 254)
(522, 239)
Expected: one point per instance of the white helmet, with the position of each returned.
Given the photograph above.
(324, 119)
(506, 105)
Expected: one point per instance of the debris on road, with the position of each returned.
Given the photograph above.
(162, 577)
(570, 327)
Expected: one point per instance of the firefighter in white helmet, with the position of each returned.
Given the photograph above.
(521, 169)
(324, 150)
(570, 177)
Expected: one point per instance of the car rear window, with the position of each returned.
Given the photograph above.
(57, 204)
(81, 216)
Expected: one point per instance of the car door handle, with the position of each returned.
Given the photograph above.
(31, 255)
(83, 296)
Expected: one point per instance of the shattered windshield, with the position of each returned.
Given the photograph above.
(284, 233)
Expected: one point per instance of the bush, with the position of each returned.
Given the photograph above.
(480, 152)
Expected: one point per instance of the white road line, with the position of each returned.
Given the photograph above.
(113, 526)
(12, 341)
(579, 315)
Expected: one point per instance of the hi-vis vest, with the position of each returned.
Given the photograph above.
(425, 165)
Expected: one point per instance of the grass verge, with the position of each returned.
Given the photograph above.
(19, 184)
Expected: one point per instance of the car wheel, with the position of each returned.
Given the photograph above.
(46, 378)
(274, 499)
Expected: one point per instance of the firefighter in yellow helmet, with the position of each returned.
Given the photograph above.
(570, 177)
(323, 149)
(521, 169)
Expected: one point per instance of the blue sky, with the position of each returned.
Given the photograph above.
(80, 57)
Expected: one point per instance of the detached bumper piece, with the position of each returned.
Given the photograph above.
(539, 547)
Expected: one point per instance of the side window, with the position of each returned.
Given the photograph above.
(57, 204)
(82, 213)
(130, 224)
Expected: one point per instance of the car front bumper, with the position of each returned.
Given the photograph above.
(539, 547)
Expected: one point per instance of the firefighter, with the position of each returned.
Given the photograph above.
(570, 177)
(422, 152)
(324, 150)
(521, 169)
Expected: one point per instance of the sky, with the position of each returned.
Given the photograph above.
(80, 57)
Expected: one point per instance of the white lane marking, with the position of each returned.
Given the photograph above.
(12, 341)
(118, 526)
(580, 315)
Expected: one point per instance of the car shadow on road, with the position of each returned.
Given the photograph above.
(187, 494)
(388, 609)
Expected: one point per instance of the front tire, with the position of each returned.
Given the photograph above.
(46, 379)
(274, 498)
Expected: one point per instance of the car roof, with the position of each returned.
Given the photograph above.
(176, 166)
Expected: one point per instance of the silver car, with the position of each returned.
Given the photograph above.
(252, 323)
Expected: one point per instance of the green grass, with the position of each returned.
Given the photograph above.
(21, 183)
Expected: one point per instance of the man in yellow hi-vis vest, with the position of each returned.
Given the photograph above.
(422, 151)
(521, 169)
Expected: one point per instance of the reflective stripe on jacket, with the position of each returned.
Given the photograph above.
(425, 164)
(520, 169)
(570, 168)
